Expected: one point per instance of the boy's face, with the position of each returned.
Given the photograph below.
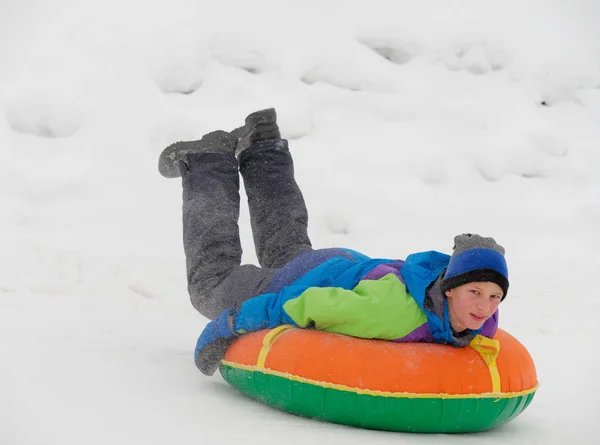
(471, 304)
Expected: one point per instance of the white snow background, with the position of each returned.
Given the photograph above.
(409, 122)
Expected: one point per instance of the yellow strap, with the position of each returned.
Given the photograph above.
(489, 350)
(268, 341)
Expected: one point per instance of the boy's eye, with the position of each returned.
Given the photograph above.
(476, 292)
(497, 297)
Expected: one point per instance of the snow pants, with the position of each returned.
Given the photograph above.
(211, 205)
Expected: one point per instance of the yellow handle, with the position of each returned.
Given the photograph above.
(489, 350)
(268, 341)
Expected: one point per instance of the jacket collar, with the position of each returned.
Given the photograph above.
(422, 273)
(436, 304)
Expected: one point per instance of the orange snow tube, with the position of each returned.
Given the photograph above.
(420, 387)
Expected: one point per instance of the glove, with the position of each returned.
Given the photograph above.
(213, 343)
(263, 311)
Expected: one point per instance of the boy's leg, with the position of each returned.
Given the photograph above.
(211, 205)
(277, 210)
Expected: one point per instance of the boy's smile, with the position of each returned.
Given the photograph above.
(479, 318)
(471, 304)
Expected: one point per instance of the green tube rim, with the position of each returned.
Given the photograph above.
(424, 413)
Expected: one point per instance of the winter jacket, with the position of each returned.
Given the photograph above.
(344, 291)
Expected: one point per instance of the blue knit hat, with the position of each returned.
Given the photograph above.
(476, 258)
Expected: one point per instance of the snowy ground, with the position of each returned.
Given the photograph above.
(410, 122)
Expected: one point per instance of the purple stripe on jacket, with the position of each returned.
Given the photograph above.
(385, 269)
(490, 326)
(421, 334)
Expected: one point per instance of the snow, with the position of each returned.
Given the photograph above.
(410, 122)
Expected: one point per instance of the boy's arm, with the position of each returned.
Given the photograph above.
(373, 309)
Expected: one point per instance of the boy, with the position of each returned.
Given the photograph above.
(429, 297)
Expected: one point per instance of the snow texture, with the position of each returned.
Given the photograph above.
(410, 122)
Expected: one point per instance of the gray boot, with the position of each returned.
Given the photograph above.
(215, 142)
(260, 125)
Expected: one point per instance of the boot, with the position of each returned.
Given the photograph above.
(215, 142)
(260, 125)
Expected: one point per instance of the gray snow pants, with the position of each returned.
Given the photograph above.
(211, 205)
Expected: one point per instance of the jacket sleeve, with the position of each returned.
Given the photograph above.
(373, 309)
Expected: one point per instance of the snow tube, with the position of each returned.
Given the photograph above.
(417, 387)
